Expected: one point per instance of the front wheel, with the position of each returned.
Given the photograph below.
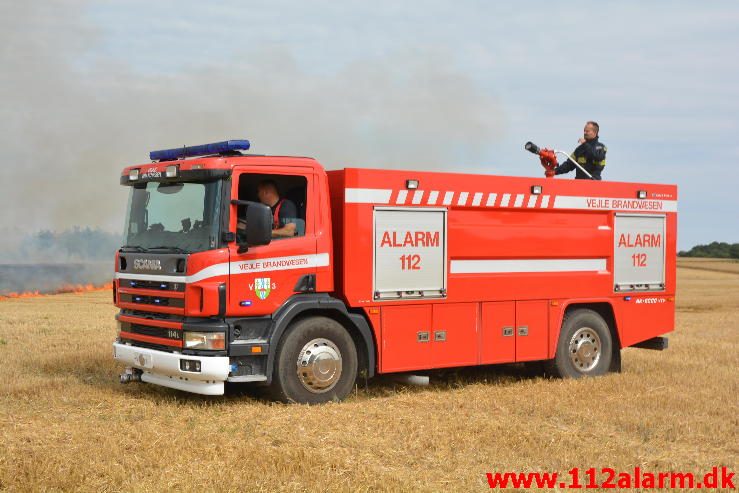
(316, 362)
(585, 346)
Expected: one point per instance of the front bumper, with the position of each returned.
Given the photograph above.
(163, 369)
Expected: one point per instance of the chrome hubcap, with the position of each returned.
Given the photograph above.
(585, 348)
(319, 365)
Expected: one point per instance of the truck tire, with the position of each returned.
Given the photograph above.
(316, 362)
(584, 348)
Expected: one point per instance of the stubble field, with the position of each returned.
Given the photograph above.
(66, 424)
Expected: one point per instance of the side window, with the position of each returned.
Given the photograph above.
(284, 194)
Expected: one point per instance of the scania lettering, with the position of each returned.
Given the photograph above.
(151, 264)
(389, 271)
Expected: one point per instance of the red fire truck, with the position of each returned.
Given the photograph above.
(389, 271)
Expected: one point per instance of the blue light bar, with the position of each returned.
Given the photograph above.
(201, 150)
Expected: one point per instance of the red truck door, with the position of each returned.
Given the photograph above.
(263, 277)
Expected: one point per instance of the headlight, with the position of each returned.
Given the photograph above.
(205, 340)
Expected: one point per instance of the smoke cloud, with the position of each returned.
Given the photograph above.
(73, 116)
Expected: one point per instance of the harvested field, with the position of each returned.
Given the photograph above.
(66, 424)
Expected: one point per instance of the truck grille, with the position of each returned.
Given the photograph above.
(148, 330)
(153, 315)
(152, 300)
(157, 285)
(166, 338)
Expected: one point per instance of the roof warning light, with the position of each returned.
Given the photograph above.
(225, 147)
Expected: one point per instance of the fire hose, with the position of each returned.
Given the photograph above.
(548, 159)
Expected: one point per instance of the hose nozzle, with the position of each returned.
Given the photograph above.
(532, 148)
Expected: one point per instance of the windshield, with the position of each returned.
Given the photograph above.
(176, 216)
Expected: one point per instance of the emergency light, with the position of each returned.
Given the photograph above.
(226, 146)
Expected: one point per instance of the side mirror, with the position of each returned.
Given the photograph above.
(258, 224)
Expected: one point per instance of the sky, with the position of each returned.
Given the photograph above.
(89, 87)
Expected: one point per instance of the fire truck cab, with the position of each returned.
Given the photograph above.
(389, 271)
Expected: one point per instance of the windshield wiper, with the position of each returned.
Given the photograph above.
(170, 248)
(131, 248)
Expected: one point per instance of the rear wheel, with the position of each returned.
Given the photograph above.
(316, 362)
(584, 348)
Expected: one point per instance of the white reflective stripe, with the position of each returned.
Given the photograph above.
(491, 199)
(619, 204)
(222, 269)
(401, 197)
(367, 196)
(448, 198)
(477, 199)
(417, 196)
(532, 201)
(504, 201)
(527, 265)
(150, 277)
(432, 197)
(544, 201)
(210, 271)
(262, 265)
(519, 200)
(463, 198)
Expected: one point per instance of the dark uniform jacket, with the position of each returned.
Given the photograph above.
(591, 155)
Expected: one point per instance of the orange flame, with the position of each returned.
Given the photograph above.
(66, 288)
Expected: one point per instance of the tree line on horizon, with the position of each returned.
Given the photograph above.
(716, 249)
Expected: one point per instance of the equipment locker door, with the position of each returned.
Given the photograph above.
(454, 335)
(406, 338)
(532, 330)
(639, 252)
(409, 253)
(498, 332)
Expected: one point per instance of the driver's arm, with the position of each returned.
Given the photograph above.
(286, 231)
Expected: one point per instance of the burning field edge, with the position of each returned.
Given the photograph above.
(68, 288)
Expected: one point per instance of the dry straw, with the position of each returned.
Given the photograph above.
(67, 425)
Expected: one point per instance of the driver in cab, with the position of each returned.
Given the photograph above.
(284, 211)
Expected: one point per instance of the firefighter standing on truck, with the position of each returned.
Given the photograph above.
(590, 154)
